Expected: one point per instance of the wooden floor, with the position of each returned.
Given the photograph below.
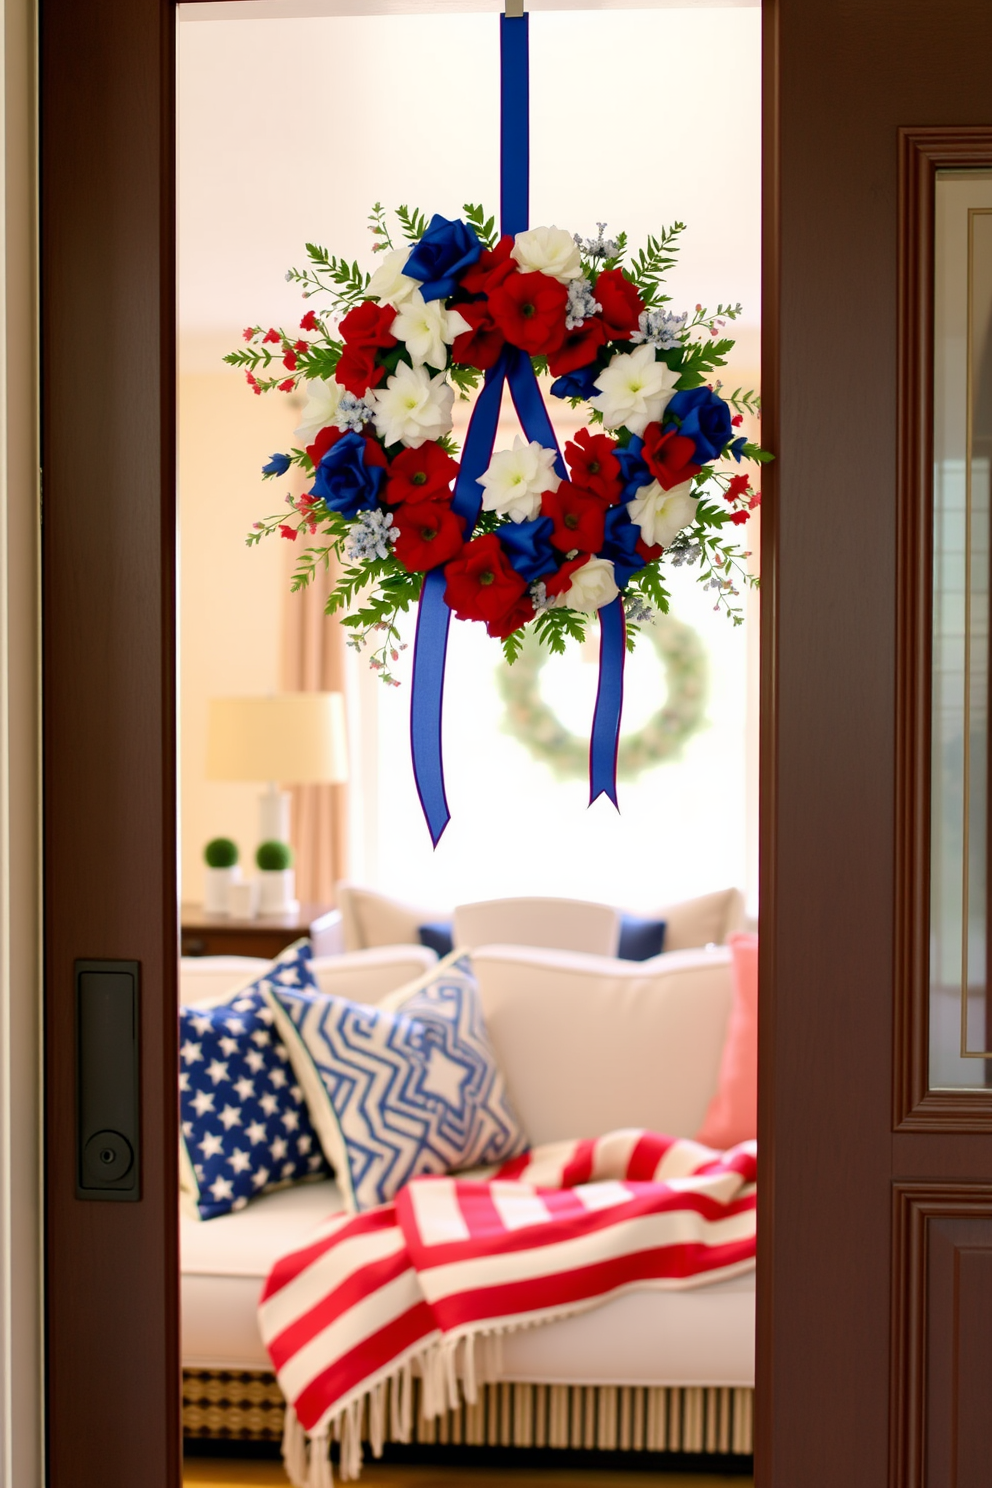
(375, 1475)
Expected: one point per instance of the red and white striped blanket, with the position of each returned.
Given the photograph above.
(456, 1262)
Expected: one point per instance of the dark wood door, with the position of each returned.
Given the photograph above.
(875, 1247)
(876, 1213)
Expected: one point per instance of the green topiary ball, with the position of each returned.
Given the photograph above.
(220, 852)
(273, 857)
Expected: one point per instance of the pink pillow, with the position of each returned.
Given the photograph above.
(733, 1112)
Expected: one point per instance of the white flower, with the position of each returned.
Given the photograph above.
(517, 478)
(389, 284)
(413, 407)
(428, 329)
(662, 514)
(547, 250)
(634, 389)
(593, 586)
(321, 410)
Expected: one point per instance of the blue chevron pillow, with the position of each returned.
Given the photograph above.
(399, 1092)
(245, 1125)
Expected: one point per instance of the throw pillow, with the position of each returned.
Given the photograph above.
(437, 937)
(245, 1125)
(733, 1112)
(400, 1091)
(640, 939)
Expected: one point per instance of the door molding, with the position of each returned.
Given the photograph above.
(922, 153)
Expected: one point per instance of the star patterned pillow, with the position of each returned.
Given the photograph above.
(398, 1090)
(245, 1125)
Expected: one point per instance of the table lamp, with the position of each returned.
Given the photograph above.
(293, 738)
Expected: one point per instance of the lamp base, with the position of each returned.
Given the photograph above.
(273, 815)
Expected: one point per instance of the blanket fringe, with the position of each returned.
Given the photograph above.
(294, 1450)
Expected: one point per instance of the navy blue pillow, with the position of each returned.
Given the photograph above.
(437, 937)
(640, 939)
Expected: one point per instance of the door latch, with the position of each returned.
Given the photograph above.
(108, 1108)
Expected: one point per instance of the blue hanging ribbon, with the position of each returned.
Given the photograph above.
(513, 368)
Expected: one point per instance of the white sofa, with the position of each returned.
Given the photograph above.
(588, 1044)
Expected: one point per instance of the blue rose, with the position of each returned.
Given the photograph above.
(704, 418)
(278, 465)
(633, 469)
(345, 480)
(443, 254)
(620, 545)
(578, 384)
(528, 547)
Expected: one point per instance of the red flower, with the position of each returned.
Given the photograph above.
(755, 501)
(286, 531)
(481, 346)
(248, 332)
(518, 614)
(356, 369)
(557, 583)
(418, 475)
(289, 361)
(272, 335)
(530, 311)
(579, 347)
(253, 383)
(593, 465)
(365, 330)
(737, 420)
(482, 585)
(737, 487)
(648, 551)
(621, 302)
(288, 385)
(301, 346)
(668, 455)
(309, 322)
(578, 517)
(368, 325)
(489, 271)
(739, 518)
(429, 534)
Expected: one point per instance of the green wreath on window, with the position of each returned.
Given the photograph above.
(528, 717)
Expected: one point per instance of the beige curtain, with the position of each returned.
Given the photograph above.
(313, 661)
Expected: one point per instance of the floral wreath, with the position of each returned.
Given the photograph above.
(520, 540)
(530, 720)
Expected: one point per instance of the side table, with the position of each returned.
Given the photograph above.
(219, 935)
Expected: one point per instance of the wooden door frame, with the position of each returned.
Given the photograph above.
(838, 86)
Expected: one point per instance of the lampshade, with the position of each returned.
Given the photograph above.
(293, 737)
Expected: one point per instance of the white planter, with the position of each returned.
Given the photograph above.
(242, 899)
(216, 882)
(278, 891)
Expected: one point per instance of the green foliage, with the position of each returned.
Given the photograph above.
(554, 628)
(379, 229)
(412, 222)
(699, 358)
(649, 265)
(618, 257)
(465, 379)
(274, 857)
(485, 227)
(513, 644)
(348, 284)
(757, 454)
(648, 582)
(744, 402)
(220, 852)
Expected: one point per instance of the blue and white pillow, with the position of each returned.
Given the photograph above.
(245, 1124)
(397, 1092)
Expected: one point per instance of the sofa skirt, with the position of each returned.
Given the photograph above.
(247, 1405)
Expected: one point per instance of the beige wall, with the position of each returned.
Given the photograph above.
(231, 596)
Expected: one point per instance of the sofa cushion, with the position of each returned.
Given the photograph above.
(589, 1044)
(707, 920)
(640, 939)
(398, 1093)
(567, 924)
(245, 1125)
(733, 1112)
